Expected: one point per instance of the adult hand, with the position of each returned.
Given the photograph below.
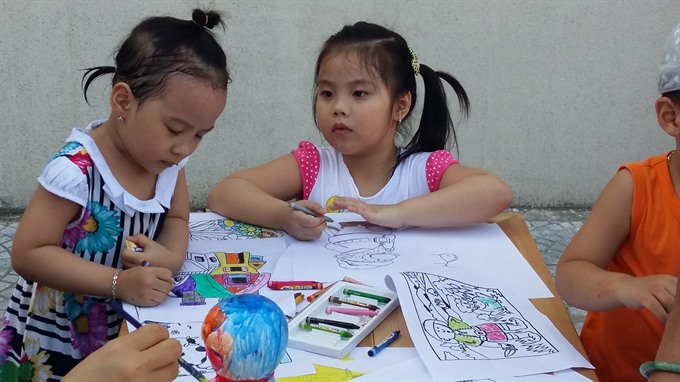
(147, 354)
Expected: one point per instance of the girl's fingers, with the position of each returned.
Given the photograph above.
(145, 337)
(164, 354)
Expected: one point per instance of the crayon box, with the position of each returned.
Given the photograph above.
(337, 321)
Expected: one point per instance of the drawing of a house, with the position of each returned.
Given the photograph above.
(220, 274)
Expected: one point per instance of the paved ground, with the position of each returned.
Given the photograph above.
(552, 229)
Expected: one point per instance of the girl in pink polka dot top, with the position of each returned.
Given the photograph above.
(365, 82)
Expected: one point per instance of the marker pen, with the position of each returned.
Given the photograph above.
(351, 312)
(294, 285)
(338, 300)
(342, 333)
(339, 324)
(301, 208)
(352, 292)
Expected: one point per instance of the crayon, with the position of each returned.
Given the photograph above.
(133, 247)
(351, 312)
(339, 324)
(338, 300)
(384, 343)
(342, 333)
(318, 293)
(185, 365)
(299, 297)
(301, 208)
(353, 281)
(294, 285)
(352, 292)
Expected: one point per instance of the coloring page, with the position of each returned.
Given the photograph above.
(352, 247)
(465, 331)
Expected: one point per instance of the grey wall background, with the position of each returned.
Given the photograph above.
(562, 92)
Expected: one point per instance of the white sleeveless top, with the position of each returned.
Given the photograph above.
(325, 175)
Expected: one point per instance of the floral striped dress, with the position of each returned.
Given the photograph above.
(61, 327)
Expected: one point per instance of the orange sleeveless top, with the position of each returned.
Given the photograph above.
(619, 340)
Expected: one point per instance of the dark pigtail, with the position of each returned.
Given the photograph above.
(208, 19)
(387, 54)
(159, 48)
(91, 74)
(436, 127)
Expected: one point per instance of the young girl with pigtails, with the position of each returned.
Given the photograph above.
(365, 82)
(117, 179)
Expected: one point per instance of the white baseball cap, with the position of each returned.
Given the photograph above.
(669, 72)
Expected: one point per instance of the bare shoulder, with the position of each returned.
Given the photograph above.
(608, 224)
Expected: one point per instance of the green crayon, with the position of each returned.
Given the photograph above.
(342, 333)
(382, 299)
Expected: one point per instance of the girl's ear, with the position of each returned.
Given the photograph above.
(121, 99)
(402, 104)
(668, 116)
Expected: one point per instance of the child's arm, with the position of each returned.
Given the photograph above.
(170, 248)
(259, 196)
(581, 276)
(37, 256)
(669, 349)
(466, 195)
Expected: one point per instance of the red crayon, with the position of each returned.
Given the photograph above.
(294, 285)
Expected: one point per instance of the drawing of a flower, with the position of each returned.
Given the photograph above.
(74, 234)
(82, 160)
(5, 339)
(67, 147)
(44, 299)
(89, 328)
(101, 229)
(32, 363)
(75, 305)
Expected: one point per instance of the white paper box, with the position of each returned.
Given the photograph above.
(332, 344)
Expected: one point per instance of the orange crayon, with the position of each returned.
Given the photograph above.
(318, 293)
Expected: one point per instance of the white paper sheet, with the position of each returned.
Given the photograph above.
(464, 330)
(414, 370)
(351, 247)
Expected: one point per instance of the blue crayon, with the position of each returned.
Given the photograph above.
(384, 343)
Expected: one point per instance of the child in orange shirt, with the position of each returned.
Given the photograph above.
(622, 265)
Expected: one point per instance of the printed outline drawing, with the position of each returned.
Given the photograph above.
(229, 229)
(462, 321)
(193, 349)
(361, 245)
(447, 258)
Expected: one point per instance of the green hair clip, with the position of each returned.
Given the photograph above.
(414, 61)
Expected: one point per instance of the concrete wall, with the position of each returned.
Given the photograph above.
(562, 92)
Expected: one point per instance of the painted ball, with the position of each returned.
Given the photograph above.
(245, 337)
